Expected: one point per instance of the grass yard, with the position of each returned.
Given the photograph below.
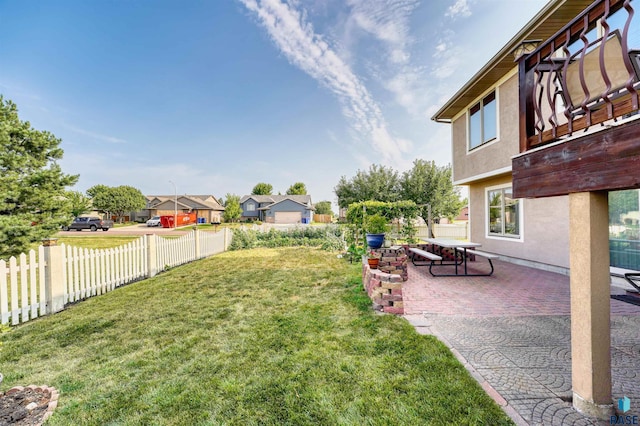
(250, 337)
(97, 242)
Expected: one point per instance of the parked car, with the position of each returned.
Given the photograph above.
(91, 223)
(154, 221)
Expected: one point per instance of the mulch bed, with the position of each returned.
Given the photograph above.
(27, 406)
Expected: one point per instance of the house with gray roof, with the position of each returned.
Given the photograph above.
(277, 208)
(205, 206)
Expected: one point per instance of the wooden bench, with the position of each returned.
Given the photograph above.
(488, 256)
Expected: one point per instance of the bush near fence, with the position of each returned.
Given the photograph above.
(45, 280)
(327, 238)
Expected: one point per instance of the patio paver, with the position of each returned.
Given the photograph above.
(512, 332)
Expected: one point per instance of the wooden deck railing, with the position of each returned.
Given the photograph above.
(570, 83)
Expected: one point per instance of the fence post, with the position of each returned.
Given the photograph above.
(226, 239)
(152, 255)
(53, 278)
(197, 243)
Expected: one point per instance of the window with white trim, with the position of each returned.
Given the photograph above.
(251, 207)
(483, 121)
(504, 213)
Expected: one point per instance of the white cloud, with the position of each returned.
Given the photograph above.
(388, 21)
(459, 9)
(294, 35)
(92, 135)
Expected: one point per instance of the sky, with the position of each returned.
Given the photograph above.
(215, 96)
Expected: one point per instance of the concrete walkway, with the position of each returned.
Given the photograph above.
(512, 332)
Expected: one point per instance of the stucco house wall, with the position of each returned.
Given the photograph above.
(495, 155)
(544, 223)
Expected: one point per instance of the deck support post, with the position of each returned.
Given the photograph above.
(590, 303)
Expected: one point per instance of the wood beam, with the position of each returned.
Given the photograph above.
(604, 161)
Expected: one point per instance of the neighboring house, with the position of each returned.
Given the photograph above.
(463, 216)
(277, 208)
(540, 142)
(206, 206)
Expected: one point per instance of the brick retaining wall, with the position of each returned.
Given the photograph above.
(393, 261)
(384, 285)
(385, 290)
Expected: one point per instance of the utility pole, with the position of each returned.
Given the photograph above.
(175, 205)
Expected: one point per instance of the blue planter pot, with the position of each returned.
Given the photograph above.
(375, 240)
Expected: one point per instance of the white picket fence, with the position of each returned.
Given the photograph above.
(43, 281)
(452, 231)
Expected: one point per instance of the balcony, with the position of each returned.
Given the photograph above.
(578, 98)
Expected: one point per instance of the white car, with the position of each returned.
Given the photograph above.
(154, 221)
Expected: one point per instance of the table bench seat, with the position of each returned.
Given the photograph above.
(633, 279)
(423, 253)
(483, 254)
(487, 256)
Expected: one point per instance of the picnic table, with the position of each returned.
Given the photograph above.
(461, 250)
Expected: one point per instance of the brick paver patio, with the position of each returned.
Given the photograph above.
(512, 332)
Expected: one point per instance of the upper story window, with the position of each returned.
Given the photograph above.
(483, 120)
(251, 207)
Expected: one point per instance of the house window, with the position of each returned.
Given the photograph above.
(251, 207)
(504, 213)
(483, 121)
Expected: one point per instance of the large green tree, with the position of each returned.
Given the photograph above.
(429, 185)
(297, 188)
(262, 189)
(232, 210)
(622, 202)
(323, 207)
(32, 185)
(379, 183)
(95, 190)
(78, 203)
(118, 200)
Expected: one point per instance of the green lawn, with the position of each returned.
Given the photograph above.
(252, 337)
(97, 242)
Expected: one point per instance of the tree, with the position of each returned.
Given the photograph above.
(96, 189)
(78, 203)
(621, 202)
(323, 207)
(297, 188)
(232, 210)
(118, 200)
(32, 185)
(379, 183)
(429, 185)
(262, 189)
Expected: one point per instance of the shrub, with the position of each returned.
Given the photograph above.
(327, 238)
(376, 224)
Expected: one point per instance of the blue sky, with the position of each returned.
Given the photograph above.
(218, 95)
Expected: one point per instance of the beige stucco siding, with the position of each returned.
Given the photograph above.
(544, 226)
(494, 155)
